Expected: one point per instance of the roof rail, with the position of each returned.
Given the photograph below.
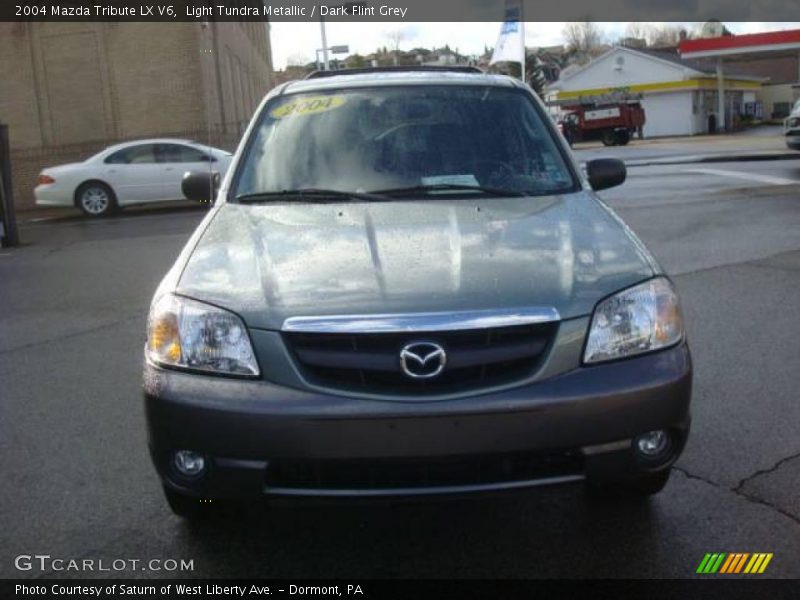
(393, 69)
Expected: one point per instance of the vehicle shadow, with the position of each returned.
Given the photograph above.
(554, 532)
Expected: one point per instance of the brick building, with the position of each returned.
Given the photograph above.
(70, 89)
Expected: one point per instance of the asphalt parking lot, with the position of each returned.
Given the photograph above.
(78, 482)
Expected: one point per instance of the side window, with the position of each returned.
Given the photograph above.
(142, 154)
(120, 157)
(178, 153)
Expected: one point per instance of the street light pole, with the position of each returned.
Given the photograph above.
(324, 44)
(345, 5)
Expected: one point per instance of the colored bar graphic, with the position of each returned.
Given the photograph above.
(727, 564)
(730, 564)
(754, 563)
(703, 563)
(734, 563)
(718, 563)
(765, 563)
(740, 564)
(710, 563)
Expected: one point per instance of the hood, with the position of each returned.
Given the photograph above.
(274, 261)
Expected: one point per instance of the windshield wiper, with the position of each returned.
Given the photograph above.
(310, 194)
(448, 187)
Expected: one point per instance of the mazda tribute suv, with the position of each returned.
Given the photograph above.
(407, 286)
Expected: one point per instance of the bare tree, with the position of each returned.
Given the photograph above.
(395, 37)
(638, 31)
(663, 35)
(666, 35)
(297, 59)
(582, 38)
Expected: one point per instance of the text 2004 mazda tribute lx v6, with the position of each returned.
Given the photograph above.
(407, 286)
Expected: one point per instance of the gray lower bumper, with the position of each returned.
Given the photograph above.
(242, 426)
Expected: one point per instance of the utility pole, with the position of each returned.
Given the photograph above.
(325, 62)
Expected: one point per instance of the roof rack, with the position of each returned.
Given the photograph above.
(392, 69)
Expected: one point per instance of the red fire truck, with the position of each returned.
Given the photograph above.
(613, 119)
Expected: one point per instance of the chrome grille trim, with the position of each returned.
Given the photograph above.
(422, 490)
(430, 321)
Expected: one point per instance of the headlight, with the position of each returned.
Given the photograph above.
(640, 319)
(193, 335)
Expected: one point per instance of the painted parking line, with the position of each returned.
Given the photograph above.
(746, 176)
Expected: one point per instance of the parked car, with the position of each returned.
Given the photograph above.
(408, 287)
(137, 172)
(791, 127)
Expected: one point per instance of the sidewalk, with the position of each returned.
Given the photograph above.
(763, 143)
(49, 213)
(713, 158)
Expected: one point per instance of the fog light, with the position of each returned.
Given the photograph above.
(188, 463)
(653, 443)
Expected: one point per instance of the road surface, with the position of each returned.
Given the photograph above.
(78, 482)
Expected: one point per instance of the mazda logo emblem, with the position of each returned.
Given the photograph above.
(422, 360)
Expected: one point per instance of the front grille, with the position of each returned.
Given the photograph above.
(370, 362)
(388, 473)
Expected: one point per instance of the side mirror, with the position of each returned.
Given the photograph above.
(604, 173)
(200, 186)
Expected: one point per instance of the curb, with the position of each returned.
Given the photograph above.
(712, 158)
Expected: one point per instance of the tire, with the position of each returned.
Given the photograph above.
(637, 488)
(189, 507)
(609, 137)
(96, 199)
(623, 137)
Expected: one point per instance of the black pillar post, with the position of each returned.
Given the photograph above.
(8, 220)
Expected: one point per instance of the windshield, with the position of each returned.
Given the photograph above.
(389, 138)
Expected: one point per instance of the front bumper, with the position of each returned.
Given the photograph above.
(249, 430)
(793, 139)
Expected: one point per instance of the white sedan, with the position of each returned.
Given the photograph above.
(137, 172)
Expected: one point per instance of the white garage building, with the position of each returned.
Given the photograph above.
(679, 95)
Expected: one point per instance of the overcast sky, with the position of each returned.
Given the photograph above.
(296, 43)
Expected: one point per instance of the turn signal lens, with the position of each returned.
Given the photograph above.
(164, 340)
(45, 180)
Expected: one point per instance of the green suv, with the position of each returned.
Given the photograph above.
(408, 286)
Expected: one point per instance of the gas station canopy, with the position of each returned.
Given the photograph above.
(774, 44)
(732, 45)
